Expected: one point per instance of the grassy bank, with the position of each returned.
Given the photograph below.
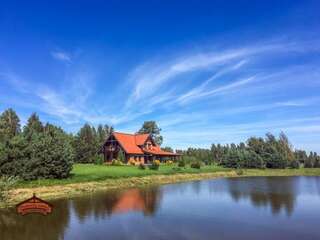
(82, 173)
(88, 178)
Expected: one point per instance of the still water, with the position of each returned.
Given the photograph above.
(237, 208)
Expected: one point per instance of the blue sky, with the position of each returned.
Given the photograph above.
(207, 72)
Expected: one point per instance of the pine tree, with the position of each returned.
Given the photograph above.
(9, 125)
(15, 153)
(52, 155)
(86, 145)
(152, 128)
(309, 161)
(34, 126)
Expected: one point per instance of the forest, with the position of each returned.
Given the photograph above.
(42, 150)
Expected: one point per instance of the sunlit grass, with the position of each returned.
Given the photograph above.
(91, 172)
(82, 173)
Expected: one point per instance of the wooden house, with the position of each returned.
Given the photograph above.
(140, 148)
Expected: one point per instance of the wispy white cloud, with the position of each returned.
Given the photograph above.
(199, 89)
(189, 95)
(61, 56)
(155, 77)
(219, 90)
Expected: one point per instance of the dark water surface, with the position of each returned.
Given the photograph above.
(239, 208)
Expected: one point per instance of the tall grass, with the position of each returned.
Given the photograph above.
(6, 183)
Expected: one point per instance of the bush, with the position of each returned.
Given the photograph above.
(176, 169)
(51, 156)
(196, 164)
(189, 159)
(231, 159)
(47, 155)
(132, 162)
(142, 166)
(6, 182)
(155, 165)
(239, 171)
(252, 160)
(308, 163)
(317, 163)
(274, 159)
(169, 162)
(98, 160)
(294, 164)
(181, 163)
(116, 162)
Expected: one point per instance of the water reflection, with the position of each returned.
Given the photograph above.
(115, 202)
(274, 192)
(35, 226)
(202, 209)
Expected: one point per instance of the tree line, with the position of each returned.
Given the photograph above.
(256, 152)
(43, 150)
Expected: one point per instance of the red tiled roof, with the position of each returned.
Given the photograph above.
(158, 151)
(128, 142)
(131, 142)
(141, 138)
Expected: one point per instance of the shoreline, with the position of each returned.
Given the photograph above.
(17, 195)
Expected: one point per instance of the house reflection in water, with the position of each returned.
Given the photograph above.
(118, 202)
(137, 200)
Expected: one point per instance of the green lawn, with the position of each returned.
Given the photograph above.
(91, 172)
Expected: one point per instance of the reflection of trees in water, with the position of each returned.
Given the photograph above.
(35, 226)
(139, 200)
(279, 193)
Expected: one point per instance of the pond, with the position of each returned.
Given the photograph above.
(235, 208)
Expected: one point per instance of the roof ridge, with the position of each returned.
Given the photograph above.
(125, 133)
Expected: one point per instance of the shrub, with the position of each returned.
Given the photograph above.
(116, 162)
(252, 160)
(132, 162)
(196, 164)
(317, 163)
(176, 169)
(6, 182)
(294, 164)
(231, 159)
(274, 159)
(142, 166)
(155, 165)
(181, 163)
(51, 157)
(169, 162)
(239, 171)
(189, 159)
(308, 163)
(98, 160)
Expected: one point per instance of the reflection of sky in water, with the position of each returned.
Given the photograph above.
(238, 208)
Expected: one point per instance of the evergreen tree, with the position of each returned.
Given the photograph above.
(316, 162)
(9, 125)
(86, 144)
(52, 155)
(103, 132)
(300, 156)
(167, 149)
(232, 159)
(34, 126)
(309, 161)
(15, 153)
(253, 160)
(152, 128)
